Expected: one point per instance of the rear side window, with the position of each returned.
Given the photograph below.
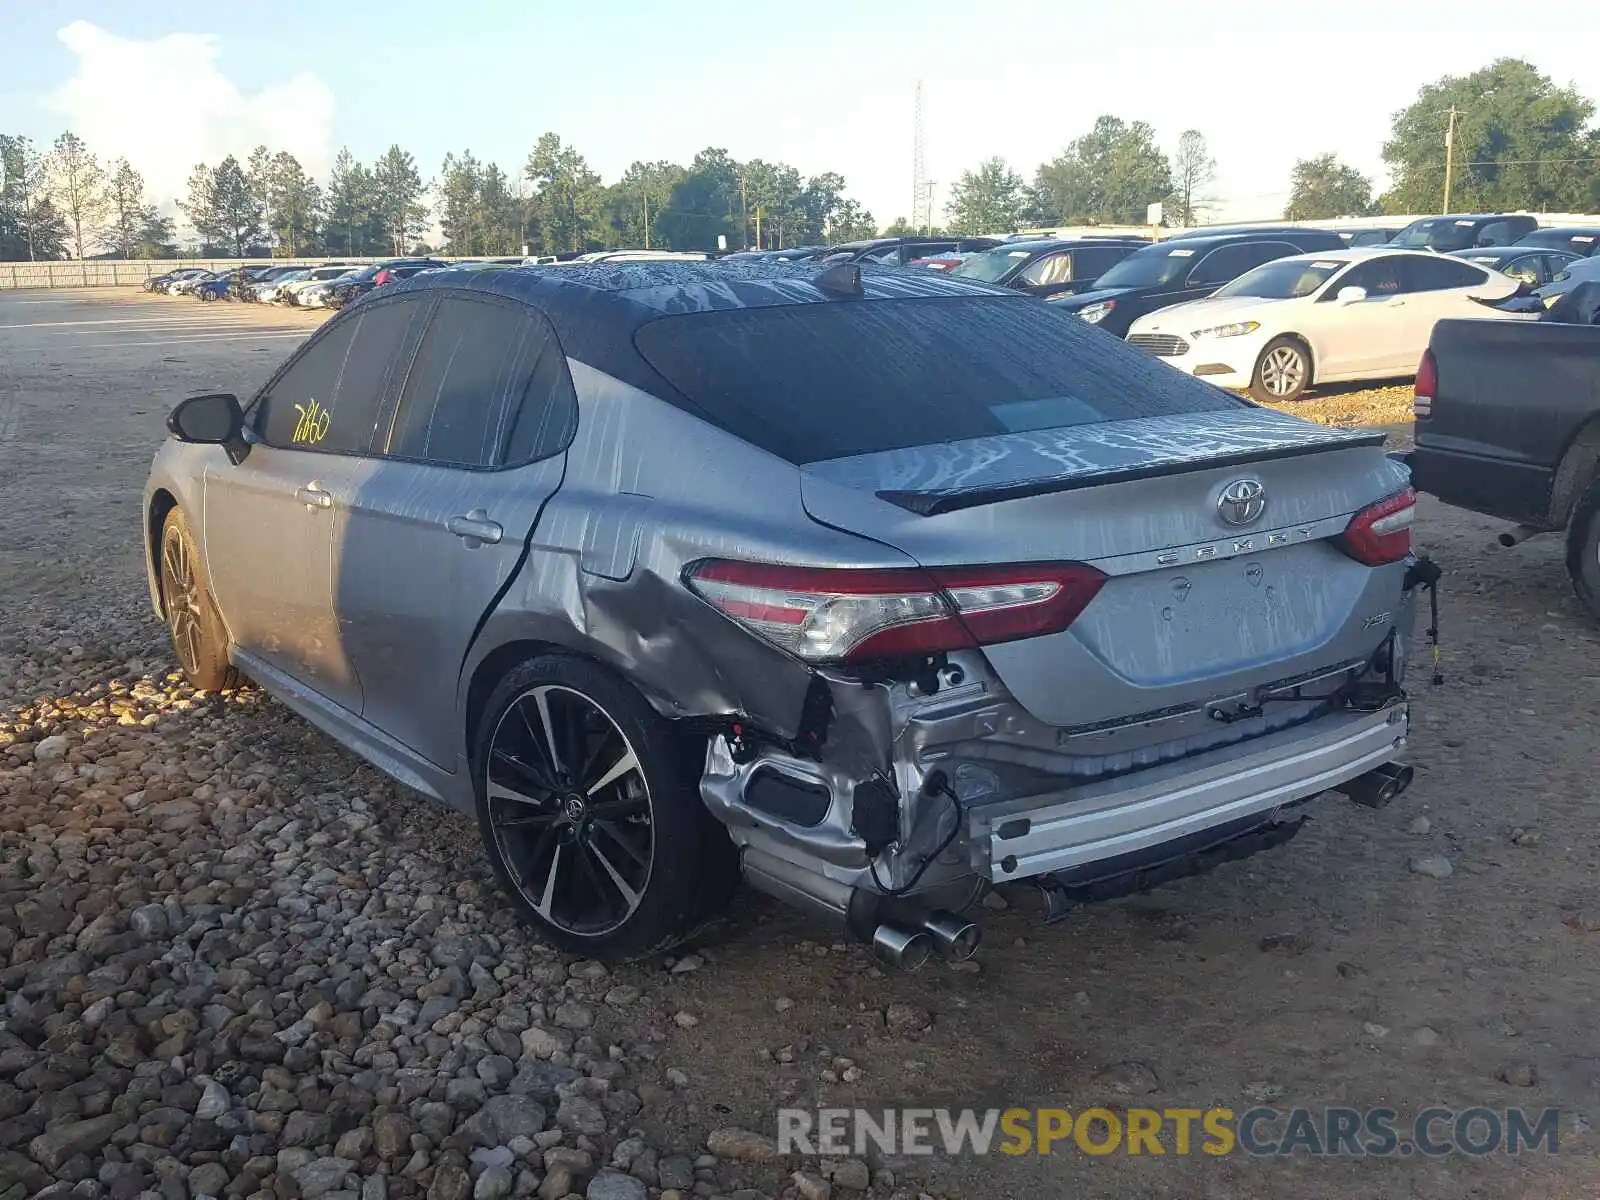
(1436, 273)
(1096, 261)
(328, 400)
(486, 375)
(1229, 262)
(1053, 268)
(809, 382)
(1379, 276)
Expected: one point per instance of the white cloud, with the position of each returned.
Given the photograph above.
(164, 105)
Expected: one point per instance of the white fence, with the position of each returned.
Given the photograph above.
(97, 272)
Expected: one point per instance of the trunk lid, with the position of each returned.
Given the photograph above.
(1194, 607)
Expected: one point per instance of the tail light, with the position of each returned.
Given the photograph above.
(828, 614)
(1426, 387)
(1381, 532)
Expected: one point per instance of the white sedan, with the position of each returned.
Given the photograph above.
(1338, 315)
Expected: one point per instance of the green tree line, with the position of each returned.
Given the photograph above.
(1520, 141)
(65, 203)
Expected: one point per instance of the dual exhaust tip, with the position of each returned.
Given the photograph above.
(900, 945)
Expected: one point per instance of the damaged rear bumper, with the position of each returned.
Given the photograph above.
(1035, 835)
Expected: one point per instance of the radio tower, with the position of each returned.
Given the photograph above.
(919, 182)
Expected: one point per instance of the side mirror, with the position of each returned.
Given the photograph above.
(214, 419)
(1351, 295)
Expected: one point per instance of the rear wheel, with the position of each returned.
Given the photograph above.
(1583, 550)
(1283, 372)
(589, 810)
(198, 637)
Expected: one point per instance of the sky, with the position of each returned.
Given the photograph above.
(822, 85)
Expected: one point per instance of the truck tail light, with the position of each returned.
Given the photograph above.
(1427, 387)
(831, 614)
(1381, 532)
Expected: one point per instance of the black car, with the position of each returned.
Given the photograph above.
(1463, 231)
(1582, 240)
(1047, 266)
(347, 290)
(1354, 238)
(1534, 265)
(1188, 268)
(898, 251)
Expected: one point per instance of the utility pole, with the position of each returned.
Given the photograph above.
(645, 196)
(1449, 155)
(744, 214)
(758, 226)
(918, 167)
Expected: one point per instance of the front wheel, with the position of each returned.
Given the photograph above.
(589, 810)
(1283, 372)
(1583, 550)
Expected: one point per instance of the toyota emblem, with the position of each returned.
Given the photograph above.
(1241, 502)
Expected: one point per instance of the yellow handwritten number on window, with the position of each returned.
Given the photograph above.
(312, 426)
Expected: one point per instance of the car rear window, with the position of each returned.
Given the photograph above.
(810, 382)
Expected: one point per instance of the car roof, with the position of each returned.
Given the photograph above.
(1194, 235)
(1355, 254)
(1468, 217)
(1564, 230)
(596, 308)
(1213, 240)
(633, 293)
(1039, 245)
(1514, 250)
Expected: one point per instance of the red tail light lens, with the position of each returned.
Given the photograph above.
(1381, 532)
(844, 615)
(1427, 387)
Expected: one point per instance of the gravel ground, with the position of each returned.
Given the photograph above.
(237, 962)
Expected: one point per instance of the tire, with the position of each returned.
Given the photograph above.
(199, 639)
(1583, 550)
(1283, 372)
(627, 885)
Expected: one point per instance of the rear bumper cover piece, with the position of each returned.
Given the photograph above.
(1037, 834)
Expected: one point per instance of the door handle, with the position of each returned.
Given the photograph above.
(313, 495)
(1396, 302)
(475, 528)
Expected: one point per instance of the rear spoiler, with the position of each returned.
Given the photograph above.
(933, 501)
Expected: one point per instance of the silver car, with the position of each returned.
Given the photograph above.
(877, 588)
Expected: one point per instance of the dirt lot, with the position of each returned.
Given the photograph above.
(216, 928)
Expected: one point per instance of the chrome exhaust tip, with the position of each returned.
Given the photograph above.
(908, 949)
(955, 937)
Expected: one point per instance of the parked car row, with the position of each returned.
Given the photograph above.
(1339, 305)
(1275, 310)
(325, 285)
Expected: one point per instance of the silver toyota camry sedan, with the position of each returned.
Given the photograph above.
(874, 588)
